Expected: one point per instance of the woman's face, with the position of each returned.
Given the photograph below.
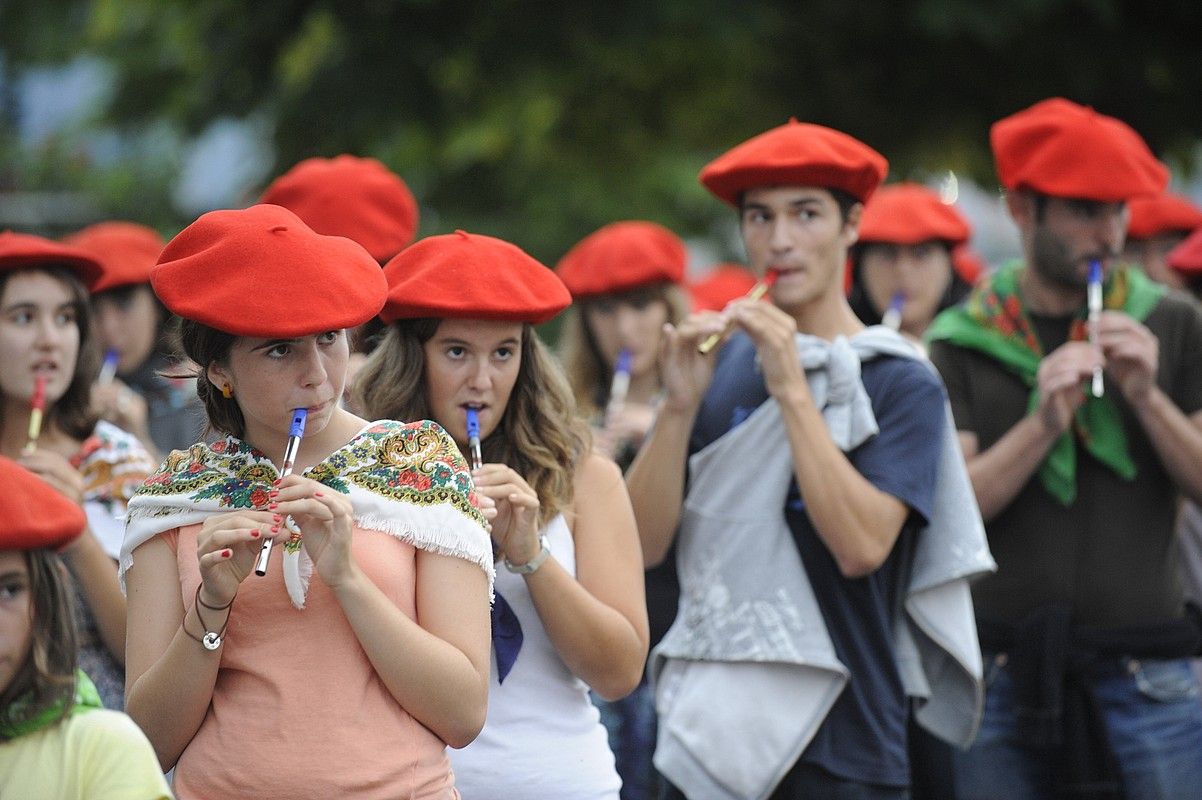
(920, 272)
(270, 378)
(39, 335)
(471, 364)
(16, 615)
(127, 320)
(634, 323)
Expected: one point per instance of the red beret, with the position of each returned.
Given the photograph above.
(908, 213)
(622, 256)
(796, 154)
(1166, 213)
(723, 284)
(358, 198)
(262, 272)
(126, 252)
(1187, 256)
(21, 251)
(467, 276)
(1059, 148)
(34, 514)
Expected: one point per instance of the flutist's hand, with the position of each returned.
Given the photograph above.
(326, 520)
(1132, 354)
(56, 471)
(773, 332)
(226, 548)
(1060, 379)
(515, 527)
(686, 373)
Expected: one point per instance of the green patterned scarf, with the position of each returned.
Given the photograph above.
(992, 321)
(14, 722)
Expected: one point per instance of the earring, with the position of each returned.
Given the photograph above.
(227, 391)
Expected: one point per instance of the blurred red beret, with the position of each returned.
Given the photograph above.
(724, 283)
(22, 251)
(1165, 213)
(468, 276)
(358, 198)
(908, 213)
(796, 154)
(623, 256)
(1187, 256)
(968, 263)
(34, 514)
(262, 272)
(1059, 148)
(126, 252)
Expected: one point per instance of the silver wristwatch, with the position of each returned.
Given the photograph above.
(534, 563)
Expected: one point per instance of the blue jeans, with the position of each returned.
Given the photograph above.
(810, 782)
(631, 725)
(1153, 720)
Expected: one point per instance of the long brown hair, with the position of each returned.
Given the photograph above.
(540, 434)
(47, 676)
(72, 413)
(589, 374)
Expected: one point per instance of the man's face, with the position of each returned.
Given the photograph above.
(1070, 233)
(799, 232)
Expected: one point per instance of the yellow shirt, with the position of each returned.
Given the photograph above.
(91, 755)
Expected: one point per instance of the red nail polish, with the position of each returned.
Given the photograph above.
(276, 482)
(317, 494)
(276, 518)
(272, 505)
(254, 534)
(226, 553)
(273, 493)
(275, 528)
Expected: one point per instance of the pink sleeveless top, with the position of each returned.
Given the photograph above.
(298, 711)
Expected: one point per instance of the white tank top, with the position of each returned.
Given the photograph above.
(543, 738)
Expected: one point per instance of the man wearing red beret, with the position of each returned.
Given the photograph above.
(822, 474)
(1083, 625)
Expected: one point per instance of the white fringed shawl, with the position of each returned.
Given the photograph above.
(406, 480)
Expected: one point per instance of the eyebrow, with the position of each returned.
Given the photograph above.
(33, 306)
(14, 574)
(794, 203)
(464, 343)
(273, 343)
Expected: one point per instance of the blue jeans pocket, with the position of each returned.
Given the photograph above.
(1164, 681)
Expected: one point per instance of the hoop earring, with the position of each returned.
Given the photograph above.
(227, 391)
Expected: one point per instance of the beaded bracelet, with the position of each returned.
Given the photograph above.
(211, 640)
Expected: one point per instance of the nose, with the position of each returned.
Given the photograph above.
(627, 324)
(1111, 227)
(48, 332)
(108, 324)
(480, 378)
(780, 241)
(314, 371)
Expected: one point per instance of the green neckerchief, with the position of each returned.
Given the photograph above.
(13, 725)
(992, 321)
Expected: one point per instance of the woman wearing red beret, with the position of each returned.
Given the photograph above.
(626, 284)
(625, 280)
(133, 391)
(569, 611)
(348, 666)
(50, 361)
(904, 257)
(55, 739)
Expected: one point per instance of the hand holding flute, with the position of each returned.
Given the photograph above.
(295, 433)
(754, 293)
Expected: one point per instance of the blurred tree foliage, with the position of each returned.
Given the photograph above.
(540, 121)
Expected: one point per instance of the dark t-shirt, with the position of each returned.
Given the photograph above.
(864, 736)
(1110, 554)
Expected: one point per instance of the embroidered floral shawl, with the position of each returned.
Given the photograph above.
(406, 480)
